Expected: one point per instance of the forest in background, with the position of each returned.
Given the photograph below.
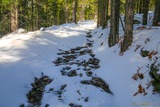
(34, 14)
(31, 15)
(118, 25)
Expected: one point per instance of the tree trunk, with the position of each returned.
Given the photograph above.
(102, 13)
(137, 6)
(156, 19)
(82, 13)
(62, 16)
(145, 11)
(55, 15)
(106, 12)
(128, 35)
(32, 15)
(75, 11)
(98, 14)
(140, 6)
(14, 16)
(114, 29)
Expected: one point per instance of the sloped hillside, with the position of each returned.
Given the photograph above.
(72, 66)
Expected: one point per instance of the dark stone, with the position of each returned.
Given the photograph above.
(59, 92)
(92, 55)
(22, 105)
(78, 68)
(63, 87)
(90, 40)
(51, 89)
(89, 44)
(59, 96)
(86, 82)
(59, 53)
(72, 73)
(47, 105)
(88, 33)
(71, 104)
(35, 94)
(80, 74)
(68, 68)
(89, 36)
(98, 82)
(86, 99)
(74, 105)
(89, 73)
(63, 72)
(144, 53)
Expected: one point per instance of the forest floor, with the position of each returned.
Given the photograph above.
(72, 66)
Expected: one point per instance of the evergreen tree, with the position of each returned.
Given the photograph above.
(156, 19)
(75, 6)
(128, 35)
(114, 29)
(145, 11)
(33, 14)
(102, 13)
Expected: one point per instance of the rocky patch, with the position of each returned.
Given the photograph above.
(36, 93)
(98, 82)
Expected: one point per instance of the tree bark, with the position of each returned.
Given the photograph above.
(75, 11)
(145, 11)
(14, 16)
(128, 35)
(137, 6)
(62, 16)
(114, 29)
(156, 19)
(102, 13)
(140, 6)
(98, 14)
(82, 13)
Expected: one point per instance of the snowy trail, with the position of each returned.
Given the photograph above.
(24, 56)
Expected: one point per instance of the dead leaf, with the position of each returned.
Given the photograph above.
(141, 90)
(135, 77)
(140, 75)
(150, 54)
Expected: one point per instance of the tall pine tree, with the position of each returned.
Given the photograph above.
(128, 35)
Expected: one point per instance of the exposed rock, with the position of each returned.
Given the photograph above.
(88, 44)
(92, 55)
(86, 99)
(22, 105)
(74, 105)
(68, 68)
(63, 72)
(98, 82)
(47, 105)
(72, 73)
(90, 40)
(35, 94)
(80, 74)
(63, 87)
(51, 89)
(89, 36)
(144, 53)
(89, 73)
(59, 92)
(88, 33)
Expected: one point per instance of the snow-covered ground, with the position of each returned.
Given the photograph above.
(24, 56)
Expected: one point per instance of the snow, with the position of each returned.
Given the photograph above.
(24, 56)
